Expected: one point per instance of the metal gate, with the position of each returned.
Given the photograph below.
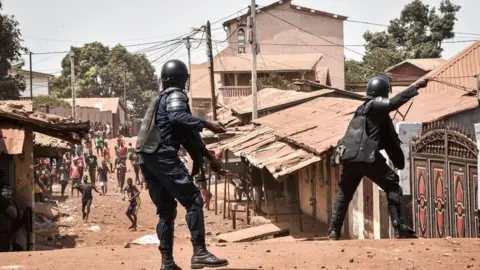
(445, 180)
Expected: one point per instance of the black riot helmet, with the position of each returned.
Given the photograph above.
(174, 74)
(378, 86)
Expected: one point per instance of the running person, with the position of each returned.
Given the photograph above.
(134, 199)
(86, 190)
(103, 171)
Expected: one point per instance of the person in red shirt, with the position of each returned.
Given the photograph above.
(119, 139)
(75, 176)
(106, 155)
(122, 152)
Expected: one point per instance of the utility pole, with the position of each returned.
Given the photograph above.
(72, 75)
(212, 79)
(31, 77)
(189, 85)
(253, 42)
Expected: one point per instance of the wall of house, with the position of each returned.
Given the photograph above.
(318, 186)
(466, 119)
(271, 30)
(406, 72)
(84, 114)
(40, 84)
(24, 181)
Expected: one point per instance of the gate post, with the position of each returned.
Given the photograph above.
(477, 135)
(406, 132)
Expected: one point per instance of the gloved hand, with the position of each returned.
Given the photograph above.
(215, 127)
(215, 165)
(422, 83)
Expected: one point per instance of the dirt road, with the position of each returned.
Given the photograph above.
(353, 254)
(80, 248)
(108, 212)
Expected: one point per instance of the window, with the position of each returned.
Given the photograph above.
(241, 41)
(241, 37)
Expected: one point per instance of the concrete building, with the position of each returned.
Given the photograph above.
(40, 82)
(312, 49)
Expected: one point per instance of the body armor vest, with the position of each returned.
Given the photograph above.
(149, 137)
(356, 145)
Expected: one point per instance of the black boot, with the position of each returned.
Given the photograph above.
(168, 263)
(334, 234)
(404, 231)
(202, 258)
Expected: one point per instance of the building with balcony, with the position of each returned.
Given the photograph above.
(295, 42)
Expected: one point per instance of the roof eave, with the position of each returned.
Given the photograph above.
(262, 70)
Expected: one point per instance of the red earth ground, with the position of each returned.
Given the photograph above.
(80, 248)
(348, 254)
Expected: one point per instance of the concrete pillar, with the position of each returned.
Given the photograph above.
(406, 131)
(236, 78)
(477, 135)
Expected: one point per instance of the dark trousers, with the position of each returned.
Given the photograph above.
(169, 180)
(86, 204)
(381, 174)
(91, 172)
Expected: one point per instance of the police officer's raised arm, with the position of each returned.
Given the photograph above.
(388, 105)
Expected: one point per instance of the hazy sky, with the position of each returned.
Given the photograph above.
(55, 25)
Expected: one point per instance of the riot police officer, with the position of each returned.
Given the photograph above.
(168, 123)
(370, 131)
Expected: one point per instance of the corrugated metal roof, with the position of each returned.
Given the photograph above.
(261, 147)
(45, 123)
(103, 104)
(451, 89)
(270, 98)
(46, 141)
(426, 64)
(278, 62)
(316, 125)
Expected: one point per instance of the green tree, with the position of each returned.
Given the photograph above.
(100, 72)
(10, 50)
(49, 101)
(417, 33)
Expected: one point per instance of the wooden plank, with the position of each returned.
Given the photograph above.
(250, 234)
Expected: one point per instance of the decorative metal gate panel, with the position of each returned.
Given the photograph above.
(444, 182)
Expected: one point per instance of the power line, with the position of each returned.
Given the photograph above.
(126, 46)
(333, 45)
(102, 41)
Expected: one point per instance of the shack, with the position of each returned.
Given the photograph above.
(17, 127)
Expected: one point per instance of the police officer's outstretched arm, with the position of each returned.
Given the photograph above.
(178, 113)
(388, 105)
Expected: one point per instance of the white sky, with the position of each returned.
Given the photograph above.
(55, 25)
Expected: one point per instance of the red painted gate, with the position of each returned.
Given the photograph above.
(445, 180)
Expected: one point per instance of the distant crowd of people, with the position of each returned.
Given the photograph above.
(81, 167)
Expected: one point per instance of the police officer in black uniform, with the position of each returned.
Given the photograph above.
(168, 124)
(370, 131)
